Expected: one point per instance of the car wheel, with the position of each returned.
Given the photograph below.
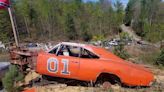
(107, 79)
(104, 85)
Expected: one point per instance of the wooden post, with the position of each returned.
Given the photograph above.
(13, 27)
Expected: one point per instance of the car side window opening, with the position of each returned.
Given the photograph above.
(66, 50)
(54, 51)
(87, 54)
(73, 51)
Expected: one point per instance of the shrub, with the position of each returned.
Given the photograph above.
(121, 52)
(98, 38)
(160, 58)
(124, 36)
(11, 78)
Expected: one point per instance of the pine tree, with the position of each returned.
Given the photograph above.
(70, 27)
(10, 79)
(129, 12)
(5, 27)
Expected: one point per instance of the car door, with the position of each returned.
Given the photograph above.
(69, 66)
(65, 63)
(69, 61)
(89, 66)
(48, 63)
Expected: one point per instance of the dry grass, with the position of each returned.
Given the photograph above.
(140, 54)
(158, 86)
(114, 88)
(143, 54)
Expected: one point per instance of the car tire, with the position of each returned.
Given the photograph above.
(105, 78)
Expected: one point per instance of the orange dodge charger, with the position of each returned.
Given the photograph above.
(91, 63)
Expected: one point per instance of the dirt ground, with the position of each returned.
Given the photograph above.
(134, 50)
(158, 86)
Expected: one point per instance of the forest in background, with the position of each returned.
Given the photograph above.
(67, 20)
(50, 20)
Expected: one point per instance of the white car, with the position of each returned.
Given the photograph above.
(113, 42)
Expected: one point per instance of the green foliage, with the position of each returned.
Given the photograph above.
(11, 78)
(110, 90)
(5, 26)
(119, 15)
(129, 12)
(70, 27)
(160, 58)
(121, 52)
(124, 36)
(74, 19)
(86, 36)
(98, 38)
(146, 18)
(65, 19)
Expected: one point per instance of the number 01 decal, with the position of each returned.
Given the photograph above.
(52, 62)
(53, 65)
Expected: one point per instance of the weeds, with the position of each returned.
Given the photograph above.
(160, 58)
(121, 52)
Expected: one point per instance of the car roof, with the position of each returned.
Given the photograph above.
(73, 44)
(92, 48)
(70, 44)
(99, 51)
(85, 46)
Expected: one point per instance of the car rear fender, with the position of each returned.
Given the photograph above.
(108, 70)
